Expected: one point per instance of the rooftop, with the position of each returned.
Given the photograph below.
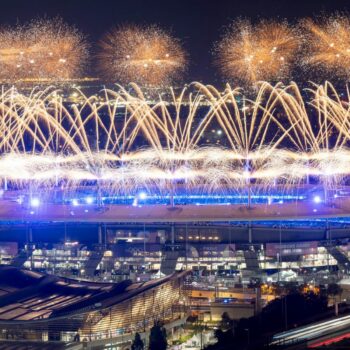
(28, 296)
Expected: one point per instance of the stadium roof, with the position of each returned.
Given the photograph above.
(12, 211)
(28, 296)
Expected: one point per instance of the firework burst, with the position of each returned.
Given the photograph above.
(41, 50)
(148, 56)
(253, 53)
(329, 44)
(43, 143)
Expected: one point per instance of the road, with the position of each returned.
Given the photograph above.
(317, 331)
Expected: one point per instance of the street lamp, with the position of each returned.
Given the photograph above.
(248, 335)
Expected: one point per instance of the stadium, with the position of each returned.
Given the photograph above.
(108, 201)
(125, 205)
(196, 165)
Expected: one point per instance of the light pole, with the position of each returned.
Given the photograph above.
(247, 177)
(248, 335)
(285, 313)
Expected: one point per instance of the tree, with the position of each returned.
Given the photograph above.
(137, 344)
(226, 321)
(254, 331)
(225, 340)
(219, 334)
(334, 289)
(158, 337)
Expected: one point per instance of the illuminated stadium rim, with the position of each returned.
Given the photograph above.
(143, 198)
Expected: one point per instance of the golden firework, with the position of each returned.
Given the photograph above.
(41, 50)
(44, 143)
(328, 44)
(145, 55)
(264, 51)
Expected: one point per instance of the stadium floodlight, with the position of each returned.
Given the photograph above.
(142, 195)
(317, 199)
(34, 202)
(89, 200)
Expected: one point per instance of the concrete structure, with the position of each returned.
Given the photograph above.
(36, 307)
(13, 210)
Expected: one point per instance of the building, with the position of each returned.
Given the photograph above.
(37, 307)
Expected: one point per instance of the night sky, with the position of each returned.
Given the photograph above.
(198, 23)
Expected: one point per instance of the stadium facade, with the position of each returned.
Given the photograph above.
(114, 187)
(41, 308)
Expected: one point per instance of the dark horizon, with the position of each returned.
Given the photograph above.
(198, 24)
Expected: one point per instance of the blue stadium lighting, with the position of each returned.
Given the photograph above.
(34, 202)
(89, 200)
(75, 202)
(201, 199)
(317, 199)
